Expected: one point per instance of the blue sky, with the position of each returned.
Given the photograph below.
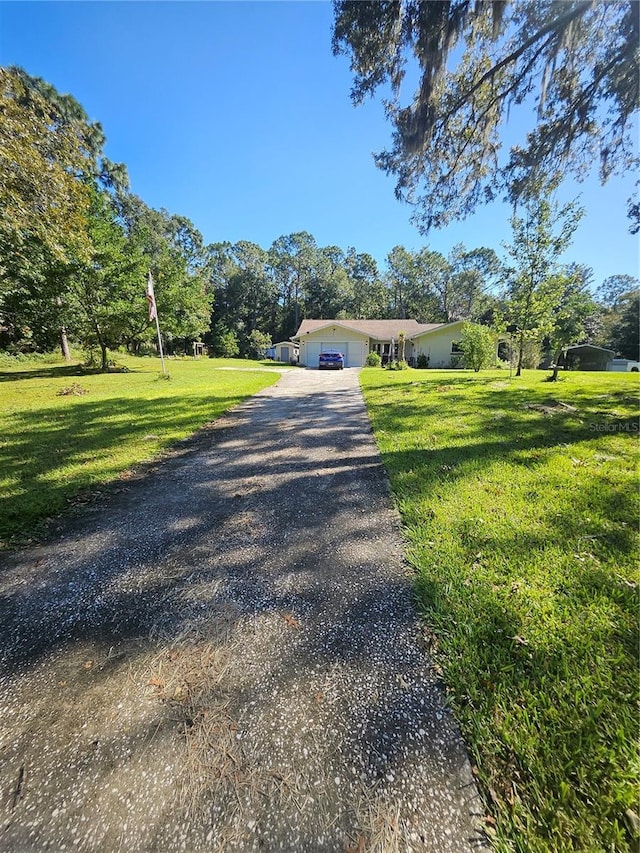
(237, 115)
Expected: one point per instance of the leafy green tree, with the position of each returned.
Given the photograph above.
(540, 235)
(104, 297)
(42, 204)
(259, 343)
(292, 260)
(624, 329)
(475, 275)
(50, 155)
(245, 295)
(475, 61)
(569, 316)
(327, 287)
(258, 308)
(30, 305)
(367, 297)
(430, 288)
(75, 246)
(66, 115)
(431, 299)
(173, 251)
(615, 288)
(224, 341)
(614, 295)
(96, 298)
(479, 346)
(400, 279)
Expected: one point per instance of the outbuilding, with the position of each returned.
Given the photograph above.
(286, 352)
(586, 357)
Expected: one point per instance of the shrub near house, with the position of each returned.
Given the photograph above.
(479, 347)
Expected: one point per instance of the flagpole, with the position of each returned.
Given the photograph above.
(160, 343)
(153, 311)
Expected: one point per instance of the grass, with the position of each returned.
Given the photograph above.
(65, 432)
(520, 505)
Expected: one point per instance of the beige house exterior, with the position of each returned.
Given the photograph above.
(355, 339)
(439, 345)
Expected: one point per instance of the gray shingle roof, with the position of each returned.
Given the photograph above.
(378, 329)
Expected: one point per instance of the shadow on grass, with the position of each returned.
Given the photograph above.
(530, 584)
(71, 370)
(273, 532)
(281, 511)
(40, 444)
(43, 373)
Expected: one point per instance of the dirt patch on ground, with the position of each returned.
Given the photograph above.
(225, 656)
(551, 407)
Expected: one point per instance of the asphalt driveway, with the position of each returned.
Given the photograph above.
(222, 653)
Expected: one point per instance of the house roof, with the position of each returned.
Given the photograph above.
(432, 327)
(379, 329)
(285, 344)
(590, 346)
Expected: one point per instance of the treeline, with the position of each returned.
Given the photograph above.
(273, 289)
(76, 247)
(75, 244)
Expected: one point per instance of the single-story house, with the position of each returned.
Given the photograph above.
(586, 357)
(355, 339)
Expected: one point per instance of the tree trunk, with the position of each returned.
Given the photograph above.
(64, 345)
(554, 375)
(64, 342)
(520, 354)
(296, 306)
(103, 348)
(525, 324)
(400, 310)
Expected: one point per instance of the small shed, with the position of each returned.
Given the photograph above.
(585, 357)
(286, 352)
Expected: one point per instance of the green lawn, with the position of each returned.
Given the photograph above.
(520, 504)
(55, 446)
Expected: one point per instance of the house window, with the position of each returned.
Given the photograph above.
(456, 349)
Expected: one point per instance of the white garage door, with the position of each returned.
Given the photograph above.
(352, 351)
(357, 354)
(314, 349)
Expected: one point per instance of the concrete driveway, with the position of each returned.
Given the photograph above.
(223, 654)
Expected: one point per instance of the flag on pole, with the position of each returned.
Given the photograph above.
(151, 299)
(153, 315)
